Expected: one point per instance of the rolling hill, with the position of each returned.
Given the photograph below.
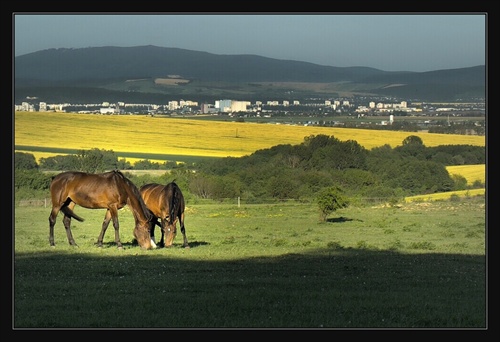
(131, 73)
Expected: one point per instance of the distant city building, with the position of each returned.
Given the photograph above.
(239, 106)
(173, 105)
(107, 110)
(183, 103)
(233, 106)
(224, 106)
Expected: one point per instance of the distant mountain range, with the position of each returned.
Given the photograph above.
(145, 74)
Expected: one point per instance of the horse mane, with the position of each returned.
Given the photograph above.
(175, 202)
(133, 195)
(118, 172)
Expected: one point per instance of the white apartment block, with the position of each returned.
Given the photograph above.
(183, 103)
(173, 105)
(239, 106)
(107, 110)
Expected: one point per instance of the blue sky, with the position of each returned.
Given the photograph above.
(390, 42)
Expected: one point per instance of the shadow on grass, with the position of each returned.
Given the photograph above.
(329, 287)
(341, 219)
(133, 243)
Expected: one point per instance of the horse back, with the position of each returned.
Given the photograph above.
(156, 199)
(88, 189)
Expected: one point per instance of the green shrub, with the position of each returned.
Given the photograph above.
(330, 199)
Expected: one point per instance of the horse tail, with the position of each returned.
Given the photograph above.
(68, 212)
(174, 202)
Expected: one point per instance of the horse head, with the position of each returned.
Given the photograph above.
(142, 235)
(171, 232)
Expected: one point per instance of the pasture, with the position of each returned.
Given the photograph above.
(159, 138)
(415, 265)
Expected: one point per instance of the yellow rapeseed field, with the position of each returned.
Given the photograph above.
(470, 172)
(191, 137)
(446, 195)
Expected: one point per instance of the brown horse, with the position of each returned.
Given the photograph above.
(166, 203)
(110, 191)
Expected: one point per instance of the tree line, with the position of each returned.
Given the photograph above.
(321, 164)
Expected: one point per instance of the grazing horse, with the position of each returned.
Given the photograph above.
(110, 191)
(165, 202)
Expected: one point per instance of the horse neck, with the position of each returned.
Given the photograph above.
(135, 202)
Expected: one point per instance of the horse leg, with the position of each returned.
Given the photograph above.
(52, 222)
(66, 222)
(163, 232)
(67, 226)
(116, 225)
(152, 230)
(183, 231)
(152, 223)
(105, 225)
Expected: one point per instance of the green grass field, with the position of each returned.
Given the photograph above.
(416, 265)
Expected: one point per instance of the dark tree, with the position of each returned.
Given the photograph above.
(24, 161)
